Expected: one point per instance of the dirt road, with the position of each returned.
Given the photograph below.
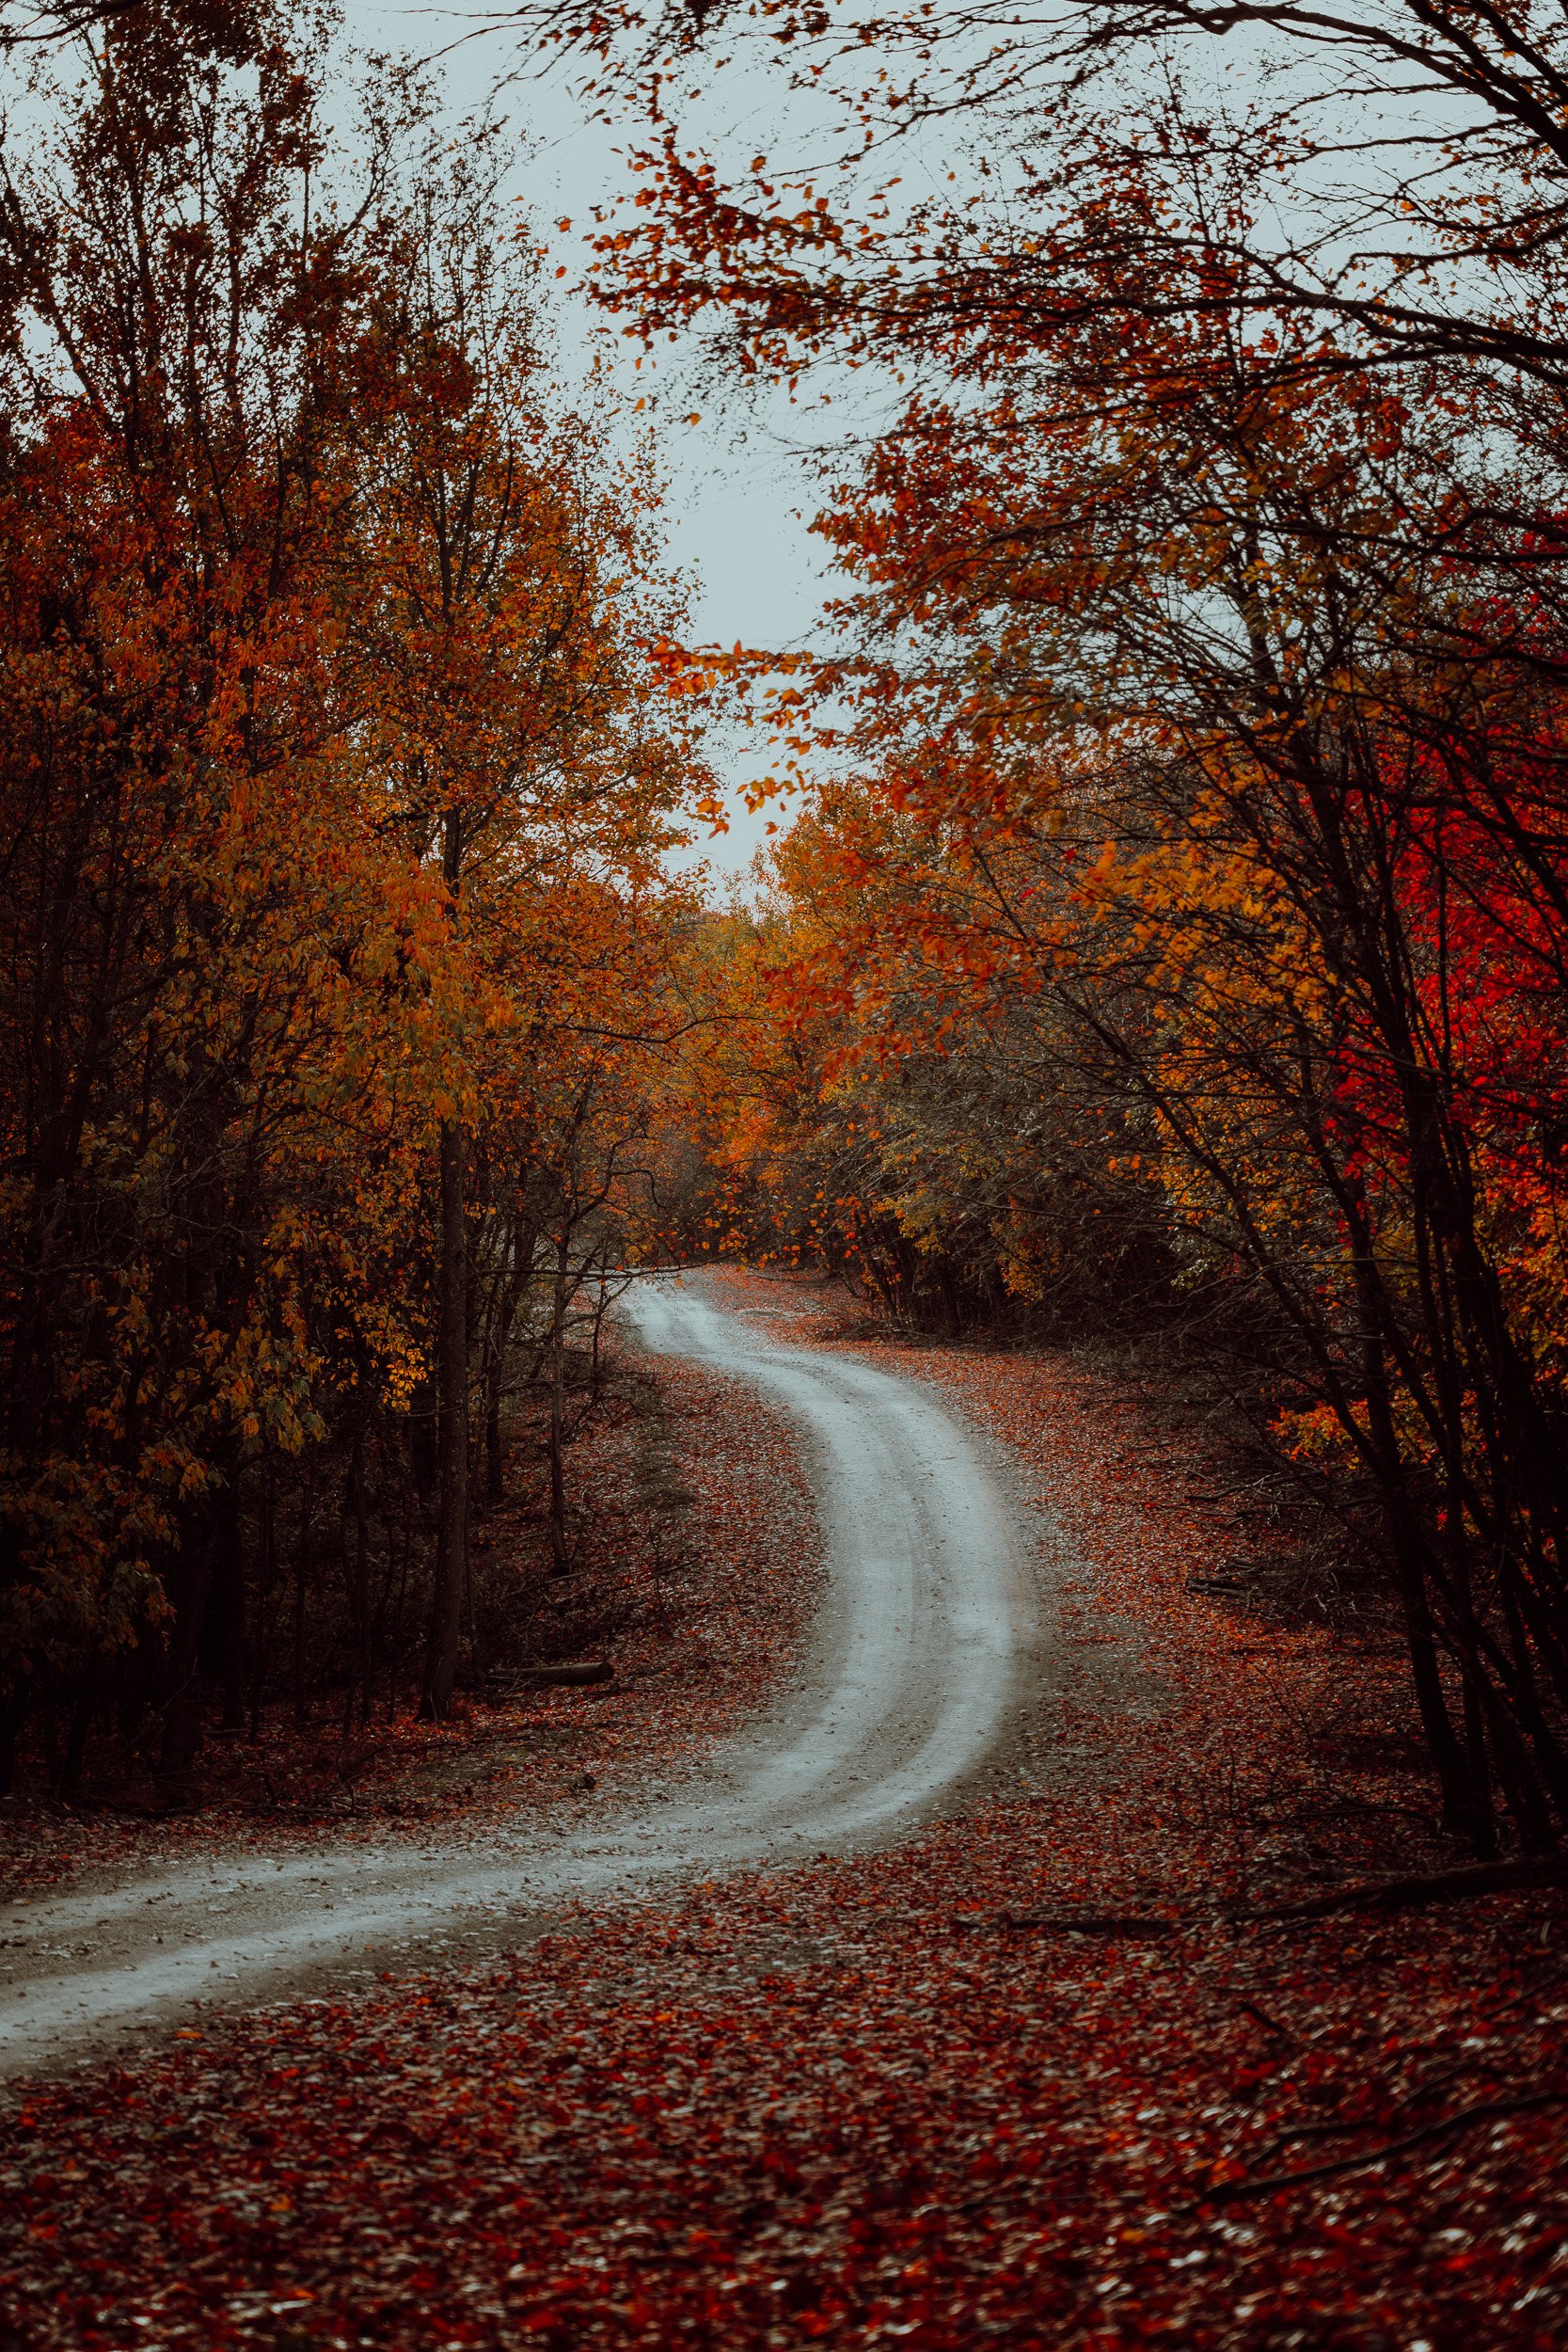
(919, 1660)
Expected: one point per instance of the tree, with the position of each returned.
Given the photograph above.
(185, 836)
(1232, 620)
(502, 557)
(340, 745)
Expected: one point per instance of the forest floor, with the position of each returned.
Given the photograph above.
(1019, 2080)
(922, 1652)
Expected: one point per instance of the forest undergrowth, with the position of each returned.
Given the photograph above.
(1054, 2074)
(673, 1587)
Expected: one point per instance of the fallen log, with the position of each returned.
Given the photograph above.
(1447, 2127)
(581, 1671)
(1088, 1923)
(1469, 1882)
(1434, 1886)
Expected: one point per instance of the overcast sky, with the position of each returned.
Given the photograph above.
(734, 485)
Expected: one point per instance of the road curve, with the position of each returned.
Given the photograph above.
(917, 1664)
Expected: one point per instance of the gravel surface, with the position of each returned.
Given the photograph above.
(930, 1646)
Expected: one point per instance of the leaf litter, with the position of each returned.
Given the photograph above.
(706, 1576)
(892, 2098)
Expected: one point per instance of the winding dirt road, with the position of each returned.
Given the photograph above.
(919, 1662)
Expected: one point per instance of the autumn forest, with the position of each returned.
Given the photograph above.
(1143, 1034)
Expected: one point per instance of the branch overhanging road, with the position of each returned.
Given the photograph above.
(920, 1660)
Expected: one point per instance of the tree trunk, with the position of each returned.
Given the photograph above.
(362, 1573)
(228, 1598)
(1466, 1812)
(451, 1527)
(14, 1702)
(561, 1556)
(186, 1586)
(76, 1739)
(301, 1566)
(266, 1575)
(495, 1381)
